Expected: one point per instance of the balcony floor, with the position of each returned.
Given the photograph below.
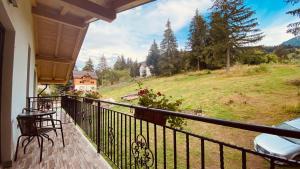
(77, 154)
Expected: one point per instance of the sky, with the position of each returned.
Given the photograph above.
(132, 33)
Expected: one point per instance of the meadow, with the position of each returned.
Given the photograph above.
(264, 94)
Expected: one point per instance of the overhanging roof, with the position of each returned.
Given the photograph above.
(60, 27)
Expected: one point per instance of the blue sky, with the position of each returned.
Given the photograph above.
(132, 33)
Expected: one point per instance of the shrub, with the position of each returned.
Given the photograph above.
(258, 69)
(75, 93)
(149, 98)
(271, 58)
(92, 94)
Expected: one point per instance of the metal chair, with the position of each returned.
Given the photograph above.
(30, 129)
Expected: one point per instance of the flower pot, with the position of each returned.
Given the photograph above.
(89, 101)
(151, 116)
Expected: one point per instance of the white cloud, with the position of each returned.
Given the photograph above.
(276, 33)
(134, 30)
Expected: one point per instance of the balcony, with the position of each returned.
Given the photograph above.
(77, 153)
(126, 141)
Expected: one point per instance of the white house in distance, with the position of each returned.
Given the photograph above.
(145, 70)
(83, 80)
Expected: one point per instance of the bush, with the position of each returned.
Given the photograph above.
(257, 57)
(271, 58)
(149, 98)
(92, 94)
(258, 69)
(75, 93)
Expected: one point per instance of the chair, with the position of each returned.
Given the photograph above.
(29, 129)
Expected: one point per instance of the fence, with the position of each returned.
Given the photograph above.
(130, 142)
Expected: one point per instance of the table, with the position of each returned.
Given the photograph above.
(38, 114)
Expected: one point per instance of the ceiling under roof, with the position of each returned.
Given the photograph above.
(60, 27)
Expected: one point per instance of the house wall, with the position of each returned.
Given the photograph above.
(18, 37)
(85, 83)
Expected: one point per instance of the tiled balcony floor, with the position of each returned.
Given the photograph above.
(77, 154)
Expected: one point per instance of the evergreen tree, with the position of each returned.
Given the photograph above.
(120, 63)
(197, 41)
(102, 68)
(218, 37)
(169, 62)
(89, 66)
(134, 69)
(241, 27)
(102, 65)
(294, 28)
(153, 58)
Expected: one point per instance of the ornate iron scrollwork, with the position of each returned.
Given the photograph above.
(111, 135)
(141, 152)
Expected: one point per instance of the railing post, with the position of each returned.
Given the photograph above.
(98, 126)
(28, 102)
(75, 110)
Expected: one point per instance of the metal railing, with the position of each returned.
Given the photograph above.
(128, 142)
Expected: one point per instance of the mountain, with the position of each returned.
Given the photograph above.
(295, 42)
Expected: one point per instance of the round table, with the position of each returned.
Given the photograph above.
(38, 113)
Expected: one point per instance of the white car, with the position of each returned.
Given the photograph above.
(284, 147)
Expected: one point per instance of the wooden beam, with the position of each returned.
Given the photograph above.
(96, 10)
(64, 10)
(54, 70)
(53, 59)
(53, 15)
(58, 39)
(52, 81)
(33, 3)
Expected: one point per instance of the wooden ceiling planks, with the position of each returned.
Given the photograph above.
(60, 27)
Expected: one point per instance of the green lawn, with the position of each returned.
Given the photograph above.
(252, 94)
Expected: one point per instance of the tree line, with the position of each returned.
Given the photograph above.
(213, 42)
(122, 70)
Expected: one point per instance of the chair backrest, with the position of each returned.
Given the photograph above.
(27, 125)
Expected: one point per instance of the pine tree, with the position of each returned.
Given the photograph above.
(294, 28)
(120, 63)
(218, 37)
(102, 65)
(102, 68)
(134, 69)
(169, 62)
(198, 34)
(240, 25)
(89, 66)
(153, 58)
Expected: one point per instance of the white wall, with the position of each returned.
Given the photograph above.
(85, 87)
(19, 24)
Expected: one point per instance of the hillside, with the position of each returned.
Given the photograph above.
(238, 95)
(295, 42)
(257, 94)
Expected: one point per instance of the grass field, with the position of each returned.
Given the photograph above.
(253, 94)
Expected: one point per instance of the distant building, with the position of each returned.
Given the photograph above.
(145, 70)
(83, 80)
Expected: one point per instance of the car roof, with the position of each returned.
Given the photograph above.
(295, 123)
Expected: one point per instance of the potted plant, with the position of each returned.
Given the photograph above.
(151, 99)
(90, 96)
(75, 92)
